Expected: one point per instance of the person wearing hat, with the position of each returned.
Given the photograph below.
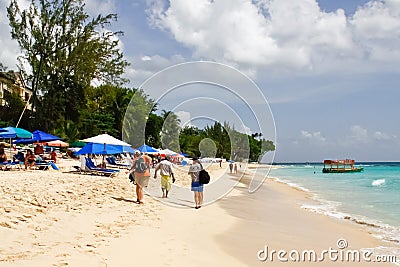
(196, 187)
(166, 172)
(141, 174)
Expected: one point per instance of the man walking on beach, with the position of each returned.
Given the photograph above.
(197, 188)
(166, 172)
(141, 167)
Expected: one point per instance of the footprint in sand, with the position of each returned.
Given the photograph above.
(5, 224)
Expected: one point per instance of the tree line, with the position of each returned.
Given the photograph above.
(67, 51)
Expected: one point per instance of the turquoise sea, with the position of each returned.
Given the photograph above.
(371, 197)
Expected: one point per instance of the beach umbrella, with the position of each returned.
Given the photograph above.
(167, 152)
(105, 139)
(57, 143)
(77, 144)
(111, 145)
(38, 137)
(147, 149)
(103, 149)
(13, 132)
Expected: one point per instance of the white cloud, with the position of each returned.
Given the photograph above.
(286, 36)
(144, 66)
(358, 133)
(380, 136)
(184, 117)
(9, 48)
(282, 34)
(146, 58)
(377, 20)
(315, 136)
(103, 7)
(376, 28)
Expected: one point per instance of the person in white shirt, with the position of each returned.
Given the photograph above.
(196, 187)
(166, 171)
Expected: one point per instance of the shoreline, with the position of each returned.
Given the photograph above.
(381, 230)
(357, 235)
(50, 218)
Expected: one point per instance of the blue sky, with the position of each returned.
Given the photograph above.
(329, 69)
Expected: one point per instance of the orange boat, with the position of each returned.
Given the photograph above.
(340, 166)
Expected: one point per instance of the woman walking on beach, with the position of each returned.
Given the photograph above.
(141, 167)
(197, 188)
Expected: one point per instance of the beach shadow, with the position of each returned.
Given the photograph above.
(175, 202)
(124, 199)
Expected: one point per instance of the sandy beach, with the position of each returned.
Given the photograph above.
(56, 218)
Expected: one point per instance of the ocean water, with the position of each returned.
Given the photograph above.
(371, 197)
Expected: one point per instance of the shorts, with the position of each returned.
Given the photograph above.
(197, 187)
(142, 181)
(166, 182)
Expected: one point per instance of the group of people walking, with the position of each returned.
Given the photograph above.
(140, 173)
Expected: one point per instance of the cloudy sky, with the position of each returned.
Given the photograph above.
(329, 70)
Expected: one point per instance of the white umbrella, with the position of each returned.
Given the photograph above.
(105, 139)
(167, 152)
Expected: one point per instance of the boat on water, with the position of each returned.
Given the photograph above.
(340, 166)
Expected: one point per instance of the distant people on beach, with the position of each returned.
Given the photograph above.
(38, 150)
(230, 167)
(166, 172)
(220, 163)
(196, 187)
(141, 169)
(53, 156)
(29, 159)
(235, 168)
(3, 156)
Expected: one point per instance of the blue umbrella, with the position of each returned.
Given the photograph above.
(38, 136)
(147, 149)
(103, 149)
(12, 132)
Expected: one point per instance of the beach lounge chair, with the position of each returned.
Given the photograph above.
(46, 165)
(91, 167)
(113, 163)
(8, 165)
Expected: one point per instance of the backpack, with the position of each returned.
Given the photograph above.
(132, 178)
(140, 165)
(204, 177)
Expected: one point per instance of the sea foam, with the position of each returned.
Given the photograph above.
(378, 182)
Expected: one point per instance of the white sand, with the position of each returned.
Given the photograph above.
(50, 218)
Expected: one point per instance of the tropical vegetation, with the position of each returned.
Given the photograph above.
(76, 72)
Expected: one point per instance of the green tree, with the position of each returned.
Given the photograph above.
(135, 119)
(105, 109)
(12, 108)
(66, 50)
(154, 126)
(189, 140)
